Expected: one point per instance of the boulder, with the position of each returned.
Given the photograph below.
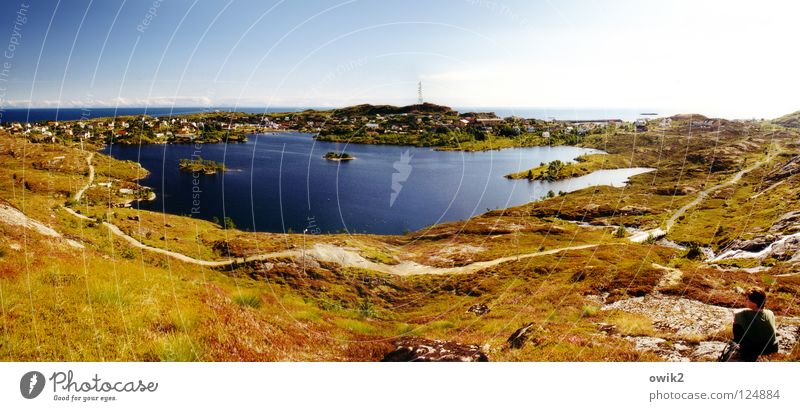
(634, 210)
(787, 249)
(784, 170)
(521, 336)
(606, 328)
(787, 224)
(415, 349)
(754, 245)
(675, 190)
(479, 309)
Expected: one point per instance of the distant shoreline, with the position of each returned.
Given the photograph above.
(539, 113)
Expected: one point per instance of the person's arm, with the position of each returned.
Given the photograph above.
(738, 331)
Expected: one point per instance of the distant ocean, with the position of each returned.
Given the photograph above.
(627, 114)
(66, 114)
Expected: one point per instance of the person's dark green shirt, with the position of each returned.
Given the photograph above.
(754, 330)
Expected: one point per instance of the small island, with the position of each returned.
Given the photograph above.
(334, 156)
(201, 165)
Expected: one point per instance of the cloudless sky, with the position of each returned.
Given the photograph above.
(727, 58)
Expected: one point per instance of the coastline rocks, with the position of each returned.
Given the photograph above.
(415, 349)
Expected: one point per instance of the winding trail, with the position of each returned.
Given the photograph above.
(347, 257)
(672, 277)
(703, 194)
(661, 232)
(83, 189)
(351, 258)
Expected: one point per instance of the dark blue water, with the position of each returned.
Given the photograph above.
(67, 114)
(281, 182)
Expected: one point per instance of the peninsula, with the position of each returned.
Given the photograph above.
(424, 125)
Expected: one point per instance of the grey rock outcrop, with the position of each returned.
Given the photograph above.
(415, 349)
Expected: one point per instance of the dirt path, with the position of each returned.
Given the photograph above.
(346, 257)
(185, 258)
(83, 189)
(703, 194)
(350, 257)
(671, 278)
(659, 232)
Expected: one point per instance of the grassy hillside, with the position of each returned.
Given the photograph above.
(560, 266)
(790, 120)
(372, 110)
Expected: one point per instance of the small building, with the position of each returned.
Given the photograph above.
(489, 121)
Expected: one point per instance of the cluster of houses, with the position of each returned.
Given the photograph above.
(105, 128)
(438, 123)
(189, 127)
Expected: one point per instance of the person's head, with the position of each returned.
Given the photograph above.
(757, 297)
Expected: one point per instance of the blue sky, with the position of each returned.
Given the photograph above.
(734, 59)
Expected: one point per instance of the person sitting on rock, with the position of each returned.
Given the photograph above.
(754, 327)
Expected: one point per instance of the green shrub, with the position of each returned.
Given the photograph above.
(247, 300)
(177, 348)
(694, 252)
(228, 223)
